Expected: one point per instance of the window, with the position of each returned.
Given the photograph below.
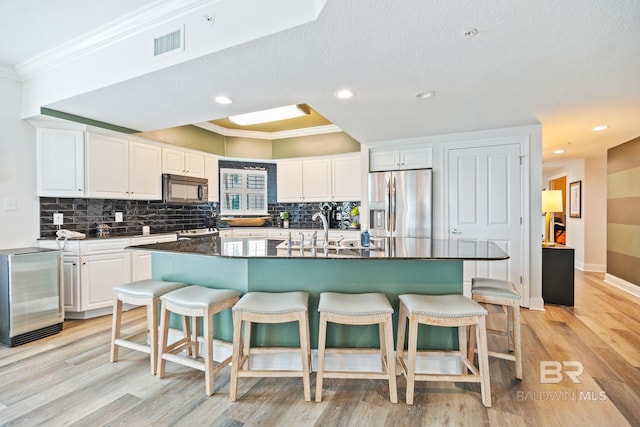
(243, 192)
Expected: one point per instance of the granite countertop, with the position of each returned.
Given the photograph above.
(388, 248)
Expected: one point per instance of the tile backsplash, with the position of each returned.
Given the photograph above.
(84, 215)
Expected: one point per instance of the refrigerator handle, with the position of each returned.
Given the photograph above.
(393, 205)
(387, 207)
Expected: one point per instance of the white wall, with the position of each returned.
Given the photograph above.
(595, 214)
(19, 227)
(575, 226)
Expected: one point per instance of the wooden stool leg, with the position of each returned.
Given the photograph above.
(304, 349)
(115, 328)
(152, 327)
(483, 361)
(162, 344)
(402, 327)
(322, 340)
(207, 338)
(386, 347)
(518, 341)
(510, 331)
(462, 346)
(237, 356)
(413, 350)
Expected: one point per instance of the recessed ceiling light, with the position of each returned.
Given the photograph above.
(561, 151)
(271, 115)
(600, 128)
(224, 100)
(425, 94)
(344, 94)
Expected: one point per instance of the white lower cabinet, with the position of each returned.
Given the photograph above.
(92, 268)
(99, 274)
(71, 285)
(141, 260)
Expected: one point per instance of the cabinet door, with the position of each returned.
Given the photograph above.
(346, 179)
(100, 274)
(107, 167)
(140, 266)
(194, 164)
(60, 162)
(145, 178)
(384, 160)
(173, 161)
(289, 182)
(211, 173)
(416, 158)
(316, 180)
(71, 285)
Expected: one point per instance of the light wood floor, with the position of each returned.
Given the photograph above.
(67, 379)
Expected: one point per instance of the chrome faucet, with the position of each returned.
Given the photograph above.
(325, 226)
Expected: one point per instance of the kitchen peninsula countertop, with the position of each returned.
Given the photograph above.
(388, 248)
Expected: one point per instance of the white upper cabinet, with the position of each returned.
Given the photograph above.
(121, 169)
(346, 178)
(319, 179)
(304, 180)
(289, 181)
(408, 157)
(316, 180)
(212, 175)
(60, 162)
(182, 162)
(145, 177)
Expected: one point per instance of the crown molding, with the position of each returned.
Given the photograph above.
(143, 19)
(7, 71)
(316, 130)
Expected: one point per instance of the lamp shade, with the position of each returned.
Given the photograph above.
(552, 201)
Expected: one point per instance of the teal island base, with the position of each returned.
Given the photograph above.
(392, 277)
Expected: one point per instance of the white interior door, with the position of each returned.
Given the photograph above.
(484, 192)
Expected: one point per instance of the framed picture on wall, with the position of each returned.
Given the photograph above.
(575, 199)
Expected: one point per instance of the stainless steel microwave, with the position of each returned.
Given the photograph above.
(184, 189)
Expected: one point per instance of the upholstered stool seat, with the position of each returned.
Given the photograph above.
(193, 302)
(443, 310)
(502, 293)
(357, 309)
(269, 307)
(147, 293)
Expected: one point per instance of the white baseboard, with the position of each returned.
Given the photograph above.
(622, 284)
(595, 268)
(536, 303)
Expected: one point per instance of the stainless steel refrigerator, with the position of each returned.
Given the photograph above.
(30, 294)
(400, 203)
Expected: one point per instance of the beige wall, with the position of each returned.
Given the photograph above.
(595, 216)
(253, 148)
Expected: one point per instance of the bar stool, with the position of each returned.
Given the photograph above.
(193, 302)
(502, 293)
(443, 310)
(143, 292)
(268, 307)
(357, 309)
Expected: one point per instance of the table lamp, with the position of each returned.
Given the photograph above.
(551, 202)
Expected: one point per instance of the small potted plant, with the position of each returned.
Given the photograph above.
(285, 219)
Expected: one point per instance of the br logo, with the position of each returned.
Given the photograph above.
(553, 372)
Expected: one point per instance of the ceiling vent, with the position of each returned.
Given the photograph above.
(168, 44)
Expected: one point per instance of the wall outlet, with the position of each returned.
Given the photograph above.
(10, 204)
(118, 216)
(58, 219)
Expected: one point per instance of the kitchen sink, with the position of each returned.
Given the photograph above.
(333, 244)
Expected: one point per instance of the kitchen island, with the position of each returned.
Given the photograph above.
(391, 266)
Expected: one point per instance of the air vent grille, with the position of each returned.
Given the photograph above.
(168, 43)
